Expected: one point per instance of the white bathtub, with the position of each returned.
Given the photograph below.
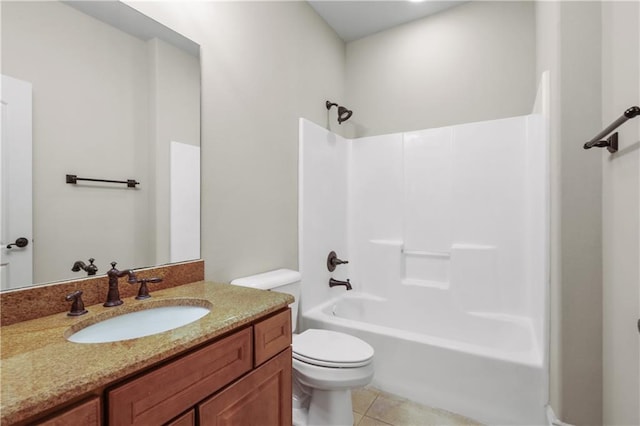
(484, 366)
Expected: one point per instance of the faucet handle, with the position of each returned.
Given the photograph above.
(77, 307)
(333, 261)
(132, 279)
(143, 292)
(91, 268)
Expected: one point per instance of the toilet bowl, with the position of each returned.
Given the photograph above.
(326, 364)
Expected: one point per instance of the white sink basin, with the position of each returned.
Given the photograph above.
(139, 324)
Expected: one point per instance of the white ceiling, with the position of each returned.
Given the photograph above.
(354, 19)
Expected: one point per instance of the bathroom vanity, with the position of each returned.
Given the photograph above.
(234, 365)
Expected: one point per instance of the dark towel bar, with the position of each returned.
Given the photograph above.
(131, 183)
(612, 142)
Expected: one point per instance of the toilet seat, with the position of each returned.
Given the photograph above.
(326, 364)
(332, 349)
(321, 363)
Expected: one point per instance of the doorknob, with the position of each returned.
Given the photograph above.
(20, 242)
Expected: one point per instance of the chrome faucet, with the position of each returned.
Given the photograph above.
(333, 283)
(113, 296)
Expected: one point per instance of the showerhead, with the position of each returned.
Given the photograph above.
(343, 114)
(330, 104)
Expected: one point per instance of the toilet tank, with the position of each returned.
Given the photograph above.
(281, 280)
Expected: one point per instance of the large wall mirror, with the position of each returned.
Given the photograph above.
(108, 94)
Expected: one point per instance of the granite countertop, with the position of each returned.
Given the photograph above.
(41, 369)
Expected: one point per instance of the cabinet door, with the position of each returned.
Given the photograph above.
(187, 419)
(162, 394)
(86, 414)
(263, 397)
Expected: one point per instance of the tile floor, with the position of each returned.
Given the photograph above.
(372, 407)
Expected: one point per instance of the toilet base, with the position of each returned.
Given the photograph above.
(326, 408)
(322, 395)
(330, 408)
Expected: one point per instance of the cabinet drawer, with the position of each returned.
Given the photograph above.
(262, 397)
(87, 413)
(271, 336)
(162, 394)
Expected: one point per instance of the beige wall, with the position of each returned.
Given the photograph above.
(595, 351)
(621, 216)
(264, 65)
(581, 216)
(593, 52)
(470, 63)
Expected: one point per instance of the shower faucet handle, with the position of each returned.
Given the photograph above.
(333, 261)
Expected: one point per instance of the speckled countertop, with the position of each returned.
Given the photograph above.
(40, 369)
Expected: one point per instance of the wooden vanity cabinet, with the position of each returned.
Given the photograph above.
(244, 378)
(86, 413)
(271, 336)
(263, 397)
(187, 419)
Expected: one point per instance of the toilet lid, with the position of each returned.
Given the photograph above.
(331, 349)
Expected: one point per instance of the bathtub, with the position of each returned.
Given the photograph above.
(485, 366)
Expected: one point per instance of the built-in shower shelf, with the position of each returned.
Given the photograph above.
(443, 254)
(426, 268)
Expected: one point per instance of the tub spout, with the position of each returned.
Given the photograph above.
(333, 283)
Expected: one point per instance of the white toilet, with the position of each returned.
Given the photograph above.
(326, 364)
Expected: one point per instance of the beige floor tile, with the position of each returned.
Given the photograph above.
(362, 398)
(356, 418)
(386, 408)
(455, 419)
(401, 412)
(368, 421)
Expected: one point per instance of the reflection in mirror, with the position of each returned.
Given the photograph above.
(105, 104)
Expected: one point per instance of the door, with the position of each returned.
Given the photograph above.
(16, 258)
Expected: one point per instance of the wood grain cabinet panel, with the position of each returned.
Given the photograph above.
(187, 419)
(159, 396)
(272, 336)
(262, 397)
(85, 414)
(243, 379)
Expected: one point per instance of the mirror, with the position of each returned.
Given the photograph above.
(115, 96)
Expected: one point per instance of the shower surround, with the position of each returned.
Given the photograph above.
(445, 231)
